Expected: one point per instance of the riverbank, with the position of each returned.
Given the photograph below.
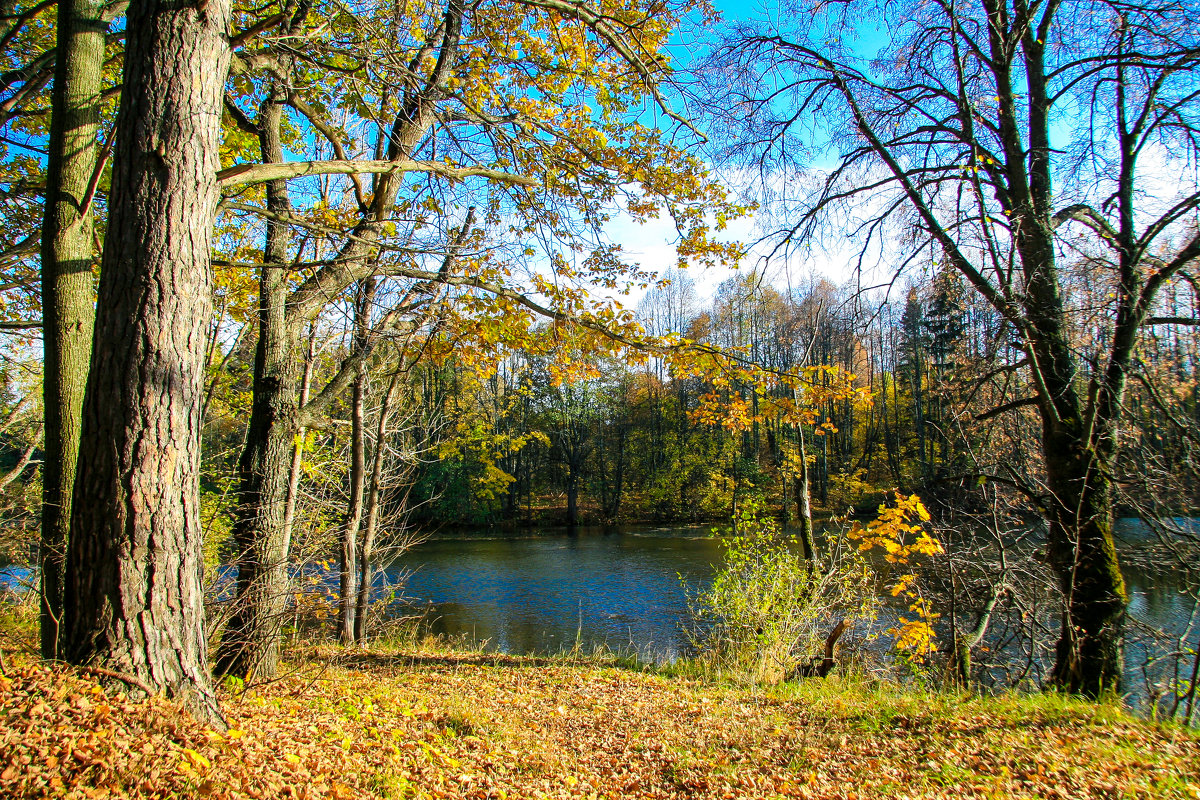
(425, 721)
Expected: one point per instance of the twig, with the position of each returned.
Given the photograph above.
(131, 680)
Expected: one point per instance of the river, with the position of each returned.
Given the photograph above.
(623, 591)
(541, 594)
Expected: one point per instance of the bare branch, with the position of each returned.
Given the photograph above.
(243, 175)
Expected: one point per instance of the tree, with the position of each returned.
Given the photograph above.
(133, 600)
(67, 296)
(1017, 142)
(521, 113)
(64, 42)
(570, 413)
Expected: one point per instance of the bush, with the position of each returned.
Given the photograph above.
(768, 609)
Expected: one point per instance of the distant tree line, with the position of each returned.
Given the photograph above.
(948, 415)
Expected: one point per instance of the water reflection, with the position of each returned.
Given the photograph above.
(623, 591)
(539, 595)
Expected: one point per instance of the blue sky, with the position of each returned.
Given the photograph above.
(650, 244)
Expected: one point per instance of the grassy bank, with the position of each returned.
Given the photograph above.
(424, 721)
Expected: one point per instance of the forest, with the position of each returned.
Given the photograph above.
(900, 299)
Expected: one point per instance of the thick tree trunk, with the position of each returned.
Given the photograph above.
(67, 296)
(1083, 553)
(134, 601)
(250, 644)
(1079, 458)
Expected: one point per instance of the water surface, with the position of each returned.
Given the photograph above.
(542, 594)
(623, 591)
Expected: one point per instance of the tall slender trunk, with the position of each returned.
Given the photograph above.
(134, 600)
(293, 490)
(365, 296)
(823, 473)
(67, 297)
(613, 511)
(374, 502)
(250, 644)
(804, 504)
(919, 413)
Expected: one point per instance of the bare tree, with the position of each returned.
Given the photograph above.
(1014, 141)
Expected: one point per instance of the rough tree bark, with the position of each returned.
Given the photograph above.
(133, 600)
(67, 296)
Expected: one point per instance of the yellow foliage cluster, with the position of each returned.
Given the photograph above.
(474, 439)
(742, 392)
(899, 533)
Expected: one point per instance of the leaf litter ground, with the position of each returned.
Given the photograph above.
(427, 724)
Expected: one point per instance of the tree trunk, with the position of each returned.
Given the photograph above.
(804, 504)
(374, 501)
(250, 644)
(1079, 459)
(134, 601)
(1083, 554)
(263, 535)
(613, 512)
(965, 642)
(293, 491)
(67, 297)
(572, 497)
(365, 296)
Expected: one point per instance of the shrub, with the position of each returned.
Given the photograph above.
(770, 610)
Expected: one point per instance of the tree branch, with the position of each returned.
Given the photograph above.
(242, 175)
(1172, 321)
(1085, 214)
(998, 410)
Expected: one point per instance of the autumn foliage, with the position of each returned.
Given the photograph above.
(419, 723)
